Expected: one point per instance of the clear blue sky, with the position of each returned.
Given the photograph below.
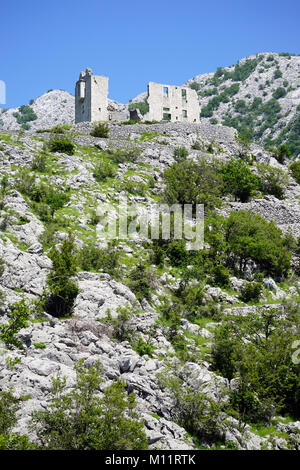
(45, 44)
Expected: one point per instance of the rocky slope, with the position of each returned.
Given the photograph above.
(261, 93)
(24, 250)
(51, 108)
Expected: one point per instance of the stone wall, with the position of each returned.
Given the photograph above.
(172, 103)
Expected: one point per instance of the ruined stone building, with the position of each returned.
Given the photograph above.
(172, 103)
(165, 102)
(91, 97)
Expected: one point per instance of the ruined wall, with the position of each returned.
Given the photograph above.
(172, 103)
(91, 97)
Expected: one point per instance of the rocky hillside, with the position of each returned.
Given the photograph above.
(260, 94)
(152, 313)
(51, 108)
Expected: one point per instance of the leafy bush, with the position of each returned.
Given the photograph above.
(18, 319)
(257, 350)
(141, 282)
(62, 145)
(238, 180)
(251, 291)
(61, 289)
(143, 348)
(272, 180)
(9, 406)
(39, 163)
(81, 420)
(123, 155)
(101, 129)
(279, 93)
(190, 182)
(245, 238)
(95, 259)
(295, 170)
(193, 409)
(195, 86)
(281, 153)
(180, 154)
(277, 74)
(103, 170)
(26, 114)
(221, 276)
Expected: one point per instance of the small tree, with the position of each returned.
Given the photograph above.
(9, 406)
(62, 290)
(18, 319)
(239, 180)
(82, 420)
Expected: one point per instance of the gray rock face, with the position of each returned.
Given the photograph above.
(261, 83)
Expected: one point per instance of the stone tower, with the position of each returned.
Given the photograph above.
(91, 97)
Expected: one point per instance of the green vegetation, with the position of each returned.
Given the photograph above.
(193, 409)
(81, 420)
(61, 145)
(257, 350)
(295, 170)
(272, 180)
(180, 154)
(101, 129)
(61, 290)
(25, 114)
(95, 259)
(9, 406)
(18, 319)
(142, 106)
(245, 237)
(189, 182)
(238, 180)
(103, 170)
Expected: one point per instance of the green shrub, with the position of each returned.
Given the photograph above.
(62, 145)
(180, 154)
(195, 86)
(221, 276)
(143, 348)
(281, 153)
(61, 289)
(257, 350)
(123, 155)
(82, 420)
(39, 345)
(140, 282)
(190, 182)
(101, 129)
(95, 259)
(122, 327)
(295, 170)
(103, 170)
(238, 180)
(251, 291)
(26, 114)
(18, 318)
(193, 409)
(245, 237)
(272, 180)
(39, 163)
(279, 93)
(277, 74)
